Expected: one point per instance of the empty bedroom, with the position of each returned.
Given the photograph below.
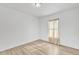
(39, 28)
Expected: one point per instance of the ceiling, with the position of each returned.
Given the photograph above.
(45, 9)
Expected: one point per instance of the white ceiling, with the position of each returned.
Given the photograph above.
(45, 9)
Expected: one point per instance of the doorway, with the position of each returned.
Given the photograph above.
(53, 31)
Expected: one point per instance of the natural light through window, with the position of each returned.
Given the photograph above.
(53, 29)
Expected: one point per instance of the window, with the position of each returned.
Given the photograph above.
(53, 29)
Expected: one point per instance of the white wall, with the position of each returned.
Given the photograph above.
(16, 28)
(44, 28)
(68, 27)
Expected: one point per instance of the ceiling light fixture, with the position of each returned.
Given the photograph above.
(37, 5)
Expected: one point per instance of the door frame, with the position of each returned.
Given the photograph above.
(50, 39)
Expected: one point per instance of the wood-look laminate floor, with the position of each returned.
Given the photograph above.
(40, 47)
